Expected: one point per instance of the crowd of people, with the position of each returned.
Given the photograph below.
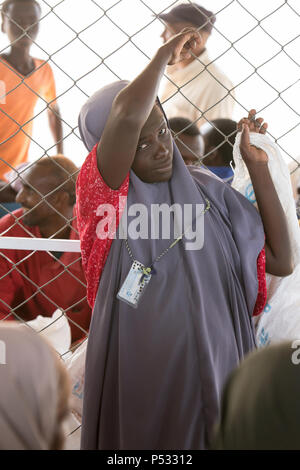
(168, 325)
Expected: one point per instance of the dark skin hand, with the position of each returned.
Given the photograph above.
(174, 28)
(278, 247)
(130, 112)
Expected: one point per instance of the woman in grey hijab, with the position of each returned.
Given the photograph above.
(260, 404)
(154, 373)
(34, 391)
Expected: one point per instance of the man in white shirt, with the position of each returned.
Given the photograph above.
(198, 90)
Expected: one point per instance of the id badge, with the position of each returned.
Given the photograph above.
(134, 285)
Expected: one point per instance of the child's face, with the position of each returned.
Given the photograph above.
(153, 162)
(19, 17)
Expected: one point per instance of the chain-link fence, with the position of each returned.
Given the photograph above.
(252, 57)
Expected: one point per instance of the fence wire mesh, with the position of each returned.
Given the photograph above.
(89, 44)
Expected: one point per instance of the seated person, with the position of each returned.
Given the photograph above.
(219, 138)
(188, 139)
(37, 283)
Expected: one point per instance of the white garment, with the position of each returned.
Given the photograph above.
(72, 432)
(203, 87)
(280, 319)
(75, 366)
(56, 329)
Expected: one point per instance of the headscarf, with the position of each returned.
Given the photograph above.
(28, 390)
(92, 117)
(260, 406)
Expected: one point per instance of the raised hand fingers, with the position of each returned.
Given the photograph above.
(258, 123)
(245, 140)
(251, 115)
(241, 122)
(181, 45)
(259, 126)
(255, 124)
(263, 128)
(192, 38)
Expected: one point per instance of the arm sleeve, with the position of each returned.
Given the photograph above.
(91, 193)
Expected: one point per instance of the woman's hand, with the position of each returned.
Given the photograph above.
(250, 153)
(180, 46)
(277, 246)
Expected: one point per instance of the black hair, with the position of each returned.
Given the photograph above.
(5, 5)
(215, 137)
(64, 171)
(184, 126)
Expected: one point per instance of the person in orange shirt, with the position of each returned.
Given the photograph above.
(23, 80)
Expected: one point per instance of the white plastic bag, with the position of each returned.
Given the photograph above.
(280, 319)
(75, 366)
(72, 432)
(56, 329)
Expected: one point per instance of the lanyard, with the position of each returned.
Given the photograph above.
(150, 269)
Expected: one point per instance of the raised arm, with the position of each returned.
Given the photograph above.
(278, 247)
(132, 107)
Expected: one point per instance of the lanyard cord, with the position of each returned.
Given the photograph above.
(149, 270)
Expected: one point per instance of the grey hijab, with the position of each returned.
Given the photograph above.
(92, 117)
(260, 404)
(154, 375)
(28, 390)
